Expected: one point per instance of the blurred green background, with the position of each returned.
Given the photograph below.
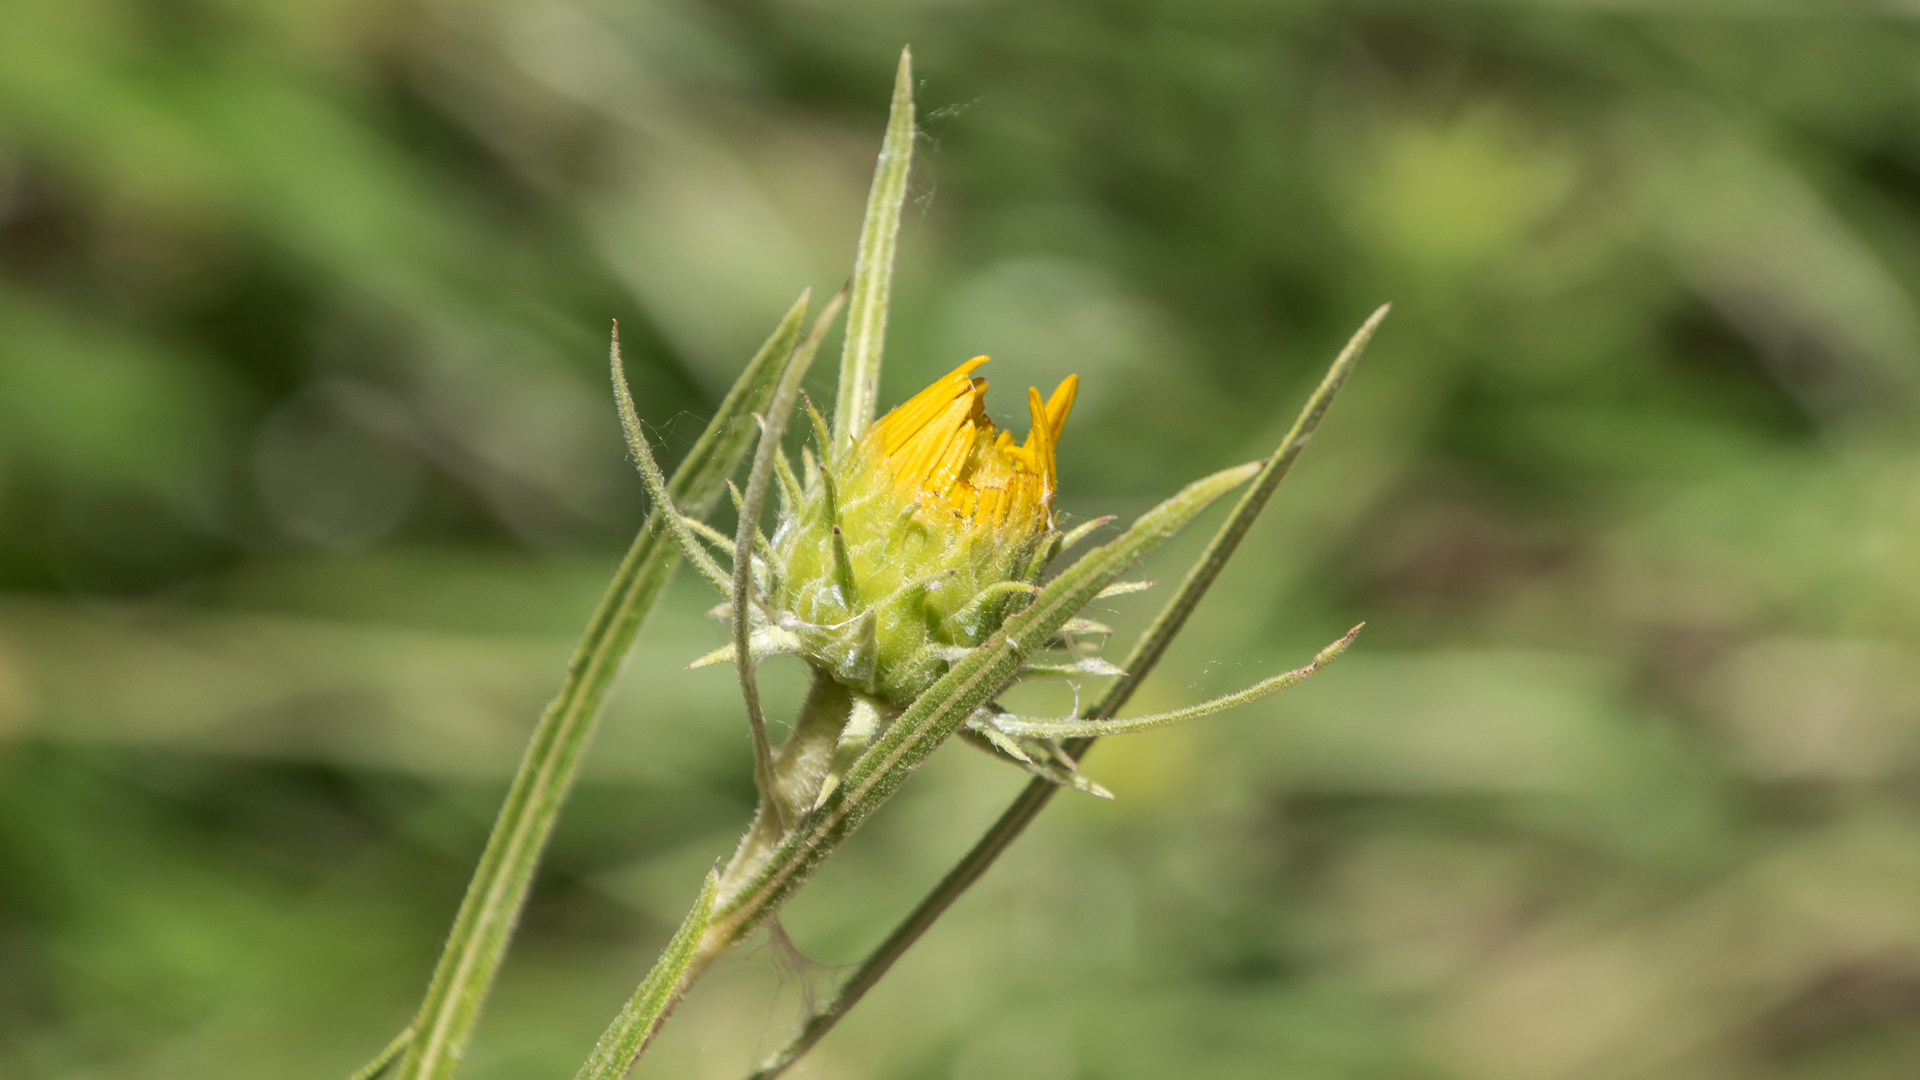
(309, 476)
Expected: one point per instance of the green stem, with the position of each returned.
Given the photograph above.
(627, 1037)
(492, 905)
(799, 768)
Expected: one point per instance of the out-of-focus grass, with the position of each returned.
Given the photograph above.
(308, 477)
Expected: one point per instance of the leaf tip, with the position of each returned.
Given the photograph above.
(1328, 654)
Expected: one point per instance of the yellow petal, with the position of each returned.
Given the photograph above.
(1060, 404)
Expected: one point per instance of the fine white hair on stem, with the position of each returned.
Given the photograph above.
(1073, 728)
(656, 480)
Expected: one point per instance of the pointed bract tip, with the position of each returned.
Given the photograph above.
(1331, 652)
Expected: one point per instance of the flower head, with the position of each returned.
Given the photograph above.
(922, 538)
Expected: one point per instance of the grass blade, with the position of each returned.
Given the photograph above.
(1145, 654)
(627, 1037)
(485, 923)
(873, 269)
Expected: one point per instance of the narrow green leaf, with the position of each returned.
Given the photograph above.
(822, 439)
(792, 495)
(720, 541)
(1123, 588)
(1082, 531)
(653, 478)
(1160, 633)
(1145, 654)
(873, 269)
(1095, 728)
(485, 923)
(627, 1037)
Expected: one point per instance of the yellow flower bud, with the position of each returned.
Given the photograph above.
(922, 538)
